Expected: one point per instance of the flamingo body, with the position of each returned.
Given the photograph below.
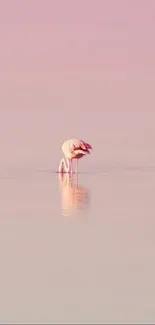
(73, 149)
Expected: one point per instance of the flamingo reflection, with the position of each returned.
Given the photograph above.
(73, 196)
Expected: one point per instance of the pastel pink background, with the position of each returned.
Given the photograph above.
(86, 69)
(77, 69)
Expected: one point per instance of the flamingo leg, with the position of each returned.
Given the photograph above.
(71, 168)
(77, 180)
(77, 166)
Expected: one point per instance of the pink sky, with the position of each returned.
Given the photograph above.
(77, 68)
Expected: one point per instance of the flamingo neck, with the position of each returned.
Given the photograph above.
(63, 167)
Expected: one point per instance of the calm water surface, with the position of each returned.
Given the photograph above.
(77, 250)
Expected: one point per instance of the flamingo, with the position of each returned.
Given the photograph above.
(73, 149)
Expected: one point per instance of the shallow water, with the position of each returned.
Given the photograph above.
(77, 250)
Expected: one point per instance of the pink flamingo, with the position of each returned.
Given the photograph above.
(73, 149)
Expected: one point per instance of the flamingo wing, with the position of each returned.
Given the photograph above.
(80, 145)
